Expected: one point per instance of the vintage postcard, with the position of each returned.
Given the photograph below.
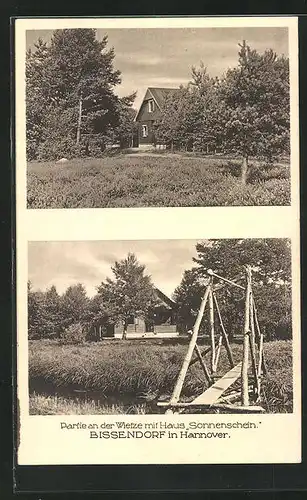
(158, 263)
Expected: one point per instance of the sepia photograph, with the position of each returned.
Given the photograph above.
(160, 326)
(157, 117)
(178, 319)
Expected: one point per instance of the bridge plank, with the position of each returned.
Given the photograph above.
(213, 393)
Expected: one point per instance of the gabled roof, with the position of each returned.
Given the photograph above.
(164, 298)
(158, 94)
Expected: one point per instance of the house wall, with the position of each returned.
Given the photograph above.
(150, 139)
(147, 118)
(137, 327)
(165, 329)
(161, 323)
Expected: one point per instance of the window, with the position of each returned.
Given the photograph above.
(151, 106)
(130, 320)
(144, 131)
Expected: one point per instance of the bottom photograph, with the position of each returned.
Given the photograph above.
(160, 326)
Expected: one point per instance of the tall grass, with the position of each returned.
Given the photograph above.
(154, 181)
(132, 373)
(56, 405)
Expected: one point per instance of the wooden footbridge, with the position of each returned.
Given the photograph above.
(250, 370)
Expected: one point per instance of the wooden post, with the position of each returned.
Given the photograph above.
(252, 319)
(212, 329)
(203, 364)
(229, 282)
(181, 377)
(199, 357)
(262, 364)
(260, 356)
(244, 373)
(218, 351)
(225, 336)
(195, 360)
(79, 119)
(253, 345)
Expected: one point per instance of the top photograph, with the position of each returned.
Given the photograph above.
(157, 117)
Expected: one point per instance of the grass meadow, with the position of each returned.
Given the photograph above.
(152, 180)
(113, 377)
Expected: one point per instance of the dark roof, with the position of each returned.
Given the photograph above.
(164, 298)
(160, 94)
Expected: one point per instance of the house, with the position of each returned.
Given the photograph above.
(162, 324)
(149, 112)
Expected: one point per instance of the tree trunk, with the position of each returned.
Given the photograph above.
(124, 337)
(79, 119)
(244, 170)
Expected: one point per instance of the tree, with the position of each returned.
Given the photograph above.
(270, 260)
(52, 320)
(98, 317)
(44, 313)
(35, 313)
(130, 293)
(181, 116)
(84, 79)
(76, 80)
(169, 128)
(189, 116)
(187, 297)
(75, 306)
(74, 334)
(127, 128)
(255, 106)
(204, 115)
(36, 98)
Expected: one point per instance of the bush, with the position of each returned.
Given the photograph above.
(56, 148)
(74, 334)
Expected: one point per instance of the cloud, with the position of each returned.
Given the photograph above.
(164, 57)
(66, 263)
(142, 60)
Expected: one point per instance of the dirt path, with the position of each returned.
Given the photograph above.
(168, 155)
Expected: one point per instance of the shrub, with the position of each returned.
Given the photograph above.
(56, 148)
(74, 334)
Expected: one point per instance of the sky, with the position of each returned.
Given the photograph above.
(89, 262)
(160, 57)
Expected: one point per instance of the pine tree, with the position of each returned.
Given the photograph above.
(37, 99)
(255, 107)
(204, 114)
(75, 80)
(189, 116)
